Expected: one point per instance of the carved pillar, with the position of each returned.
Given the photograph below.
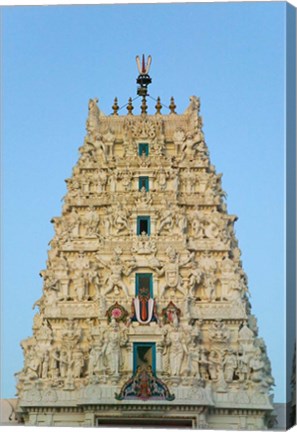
(225, 284)
(64, 291)
(159, 359)
(129, 351)
(153, 225)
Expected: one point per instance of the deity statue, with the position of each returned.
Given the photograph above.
(63, 363)
(127, 178)
(204, 363)
(166, 219)
(214, 362)
(197, 223)
(175, 180)
(71, 334)
(91, 221)
(96, 359)
(175, 343)
(78, 363)
(209, 286)
(51, 282)
(219, 333)
(161, 178)
(243, 369)
(112, 179)
(80, 286)
(171, 271)
(121, 219)
(144, 198)
(182, 221)
(230, 365)
(195, 278)
(108, 221)
(45, 365)
(32, 364)
(81, 262)
(117, 270)
(102, 181)
(115, 340)
(193, 358)
(71, 223)
(92, 278)
(257, 367)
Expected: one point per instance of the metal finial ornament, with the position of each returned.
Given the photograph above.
(115, 106)
(143, 105)
(172, 106)
(130, 107)
(158, 106)
(143, 78)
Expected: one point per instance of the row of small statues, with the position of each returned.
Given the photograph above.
(85, 275)
(183, 356)
(189, 181)
(118, 219)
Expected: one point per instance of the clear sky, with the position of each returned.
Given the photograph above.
(55, 58)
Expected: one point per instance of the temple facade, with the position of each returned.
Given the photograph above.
(145, 316)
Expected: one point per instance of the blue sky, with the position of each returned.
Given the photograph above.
(231, 55)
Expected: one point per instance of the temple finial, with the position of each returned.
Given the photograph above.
(158, 106)
(143, 79)
(115, 106)
(172, 106)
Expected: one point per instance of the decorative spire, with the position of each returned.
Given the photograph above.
(143, 106)
(115, 106)
(130, 107)
(143, 79)
(172, 106)
(158, 106)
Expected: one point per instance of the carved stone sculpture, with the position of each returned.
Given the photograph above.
(154, 324)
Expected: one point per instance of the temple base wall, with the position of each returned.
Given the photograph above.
(183, 416)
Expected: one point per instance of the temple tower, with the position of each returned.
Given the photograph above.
(144, 317)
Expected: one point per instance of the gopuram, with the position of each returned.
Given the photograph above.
(145, 317)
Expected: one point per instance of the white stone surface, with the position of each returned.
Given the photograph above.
(208, 351)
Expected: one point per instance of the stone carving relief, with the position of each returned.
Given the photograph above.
(116, 339)
(93, 118)
(144, 244)
(90, 222)
(194, 281)
(175, 349)
(171, 271)
(121, 219)
(161, 176)
(102, 181)
(179, 137)
(83, 335)
(143, 128)
(126, 176)
(109, 139)
(166, 219)
(117, 269)
(143, 198)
